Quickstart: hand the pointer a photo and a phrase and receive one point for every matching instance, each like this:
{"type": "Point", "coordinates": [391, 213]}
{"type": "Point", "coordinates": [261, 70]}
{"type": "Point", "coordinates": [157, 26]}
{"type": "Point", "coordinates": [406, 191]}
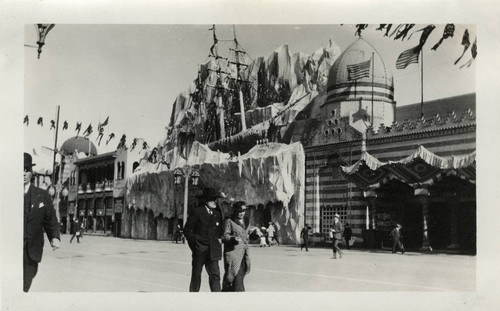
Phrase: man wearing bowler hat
{"type": "Point", "coordinates": [39, 216]}
{"type": "Point", "coordinates": [203, 231]}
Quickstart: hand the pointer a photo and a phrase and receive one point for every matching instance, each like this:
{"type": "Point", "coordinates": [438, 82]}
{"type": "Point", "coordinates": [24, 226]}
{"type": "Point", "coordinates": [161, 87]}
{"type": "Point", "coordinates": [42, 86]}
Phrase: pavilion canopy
{"type": "Point", "coordinates": [420, 168]}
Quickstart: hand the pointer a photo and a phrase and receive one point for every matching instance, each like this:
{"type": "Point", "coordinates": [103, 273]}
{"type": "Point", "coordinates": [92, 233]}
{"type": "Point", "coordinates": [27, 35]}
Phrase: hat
{"type": "Point", "coordinates": [28, 161]}
{"type": "Point", "coordinates": [336, 215]}
{"type": "Point", "coordinates": [239, 207]}
{"type": "Point", "coordinates": [209, 194]}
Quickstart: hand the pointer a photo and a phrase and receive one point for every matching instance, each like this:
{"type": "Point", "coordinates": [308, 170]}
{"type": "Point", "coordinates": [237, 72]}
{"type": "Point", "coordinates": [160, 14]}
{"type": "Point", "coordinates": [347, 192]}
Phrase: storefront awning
{"type": "Point", "coordinates": [420, 168]}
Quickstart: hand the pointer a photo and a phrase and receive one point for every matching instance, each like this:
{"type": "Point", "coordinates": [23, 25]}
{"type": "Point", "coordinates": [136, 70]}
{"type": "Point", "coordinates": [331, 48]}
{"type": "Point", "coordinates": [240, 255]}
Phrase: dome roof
{"type": "Point", "coordinates": [78, 143]}
{"type": "Point", "coordinates": [339, 87]}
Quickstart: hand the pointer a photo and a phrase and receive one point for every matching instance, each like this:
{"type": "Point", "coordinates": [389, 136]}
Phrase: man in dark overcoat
{"type": "Point", "coordinates": [203, 231]}
{"type": "Point", "coordinates": [39, 216]}
{"type": "Point", "coordinates": [397, 239]}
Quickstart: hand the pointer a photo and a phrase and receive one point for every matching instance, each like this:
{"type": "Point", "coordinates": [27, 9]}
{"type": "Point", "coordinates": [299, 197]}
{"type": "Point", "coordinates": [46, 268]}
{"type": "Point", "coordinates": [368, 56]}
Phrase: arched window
{"type": "Point", "coordinates": [326, 133]}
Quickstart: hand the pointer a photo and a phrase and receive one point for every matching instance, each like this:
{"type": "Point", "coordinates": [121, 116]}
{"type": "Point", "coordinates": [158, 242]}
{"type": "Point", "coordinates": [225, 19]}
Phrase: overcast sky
{"type": "Point", "coordinates": [133, 73]}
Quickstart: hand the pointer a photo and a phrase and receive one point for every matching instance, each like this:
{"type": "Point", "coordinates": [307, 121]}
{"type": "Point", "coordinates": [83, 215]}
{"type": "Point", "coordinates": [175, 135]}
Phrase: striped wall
{"type": "Point", "coordinates": [327, 189]}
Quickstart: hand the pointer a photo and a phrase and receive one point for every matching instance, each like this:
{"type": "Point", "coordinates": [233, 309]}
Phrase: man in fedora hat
{"type": "Point", "coordinates": [203, 231]}
{"type": "Point", "coordinates": [39, 216]}
{"type": "Point", "coordinates": [336, 230]}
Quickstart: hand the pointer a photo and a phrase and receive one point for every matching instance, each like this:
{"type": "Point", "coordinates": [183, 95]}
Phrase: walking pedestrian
{"type": "Point", "coordinates": [397, 238]}
{"type": "Point", "coordinates": [75, 230]}
{"type": "Point", "coordinates": [262, 235]}
{"type": "Point", "coordinates": [304, 235]}
{"type": "Point", "coordinates": [203, 231]}
{"type": "Point", "coordinates": [39, 216]}
{"type": "Point", "coordinates": [271, 233]}
{"type": "Point", "coordinates": [336, 233]}
{"type": "Point", "coordinates": [236, 256]}
{"type": "Point", "coordinates": [347, 235]}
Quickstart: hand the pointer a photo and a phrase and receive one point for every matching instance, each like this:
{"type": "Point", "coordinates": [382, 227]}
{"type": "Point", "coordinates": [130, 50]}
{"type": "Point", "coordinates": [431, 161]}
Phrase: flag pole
{"type": "Point", "coordinates": [55, 147]}
{"type": "Point", "coordinates": [373, 73]}
{"type": "Point", "coordinates": [422, 85]}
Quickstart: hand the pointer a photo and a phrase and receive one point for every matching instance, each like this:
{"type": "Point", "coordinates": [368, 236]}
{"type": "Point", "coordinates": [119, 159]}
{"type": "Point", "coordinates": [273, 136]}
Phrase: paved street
{"type": "Point", "coordinates": [107, 264]}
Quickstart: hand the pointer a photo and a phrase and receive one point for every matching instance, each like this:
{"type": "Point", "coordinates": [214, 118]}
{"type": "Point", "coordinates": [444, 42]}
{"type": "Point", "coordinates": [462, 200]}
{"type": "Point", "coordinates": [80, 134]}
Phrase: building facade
{"type": "Point", "coordinates": [96, 191]}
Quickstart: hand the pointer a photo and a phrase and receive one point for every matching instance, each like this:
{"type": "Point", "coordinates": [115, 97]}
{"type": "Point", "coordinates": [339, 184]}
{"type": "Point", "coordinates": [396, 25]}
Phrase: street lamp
{"type": "Point", "coordinates": [187, 172]}
{"type": "Point", "coordinates": [42, 31]}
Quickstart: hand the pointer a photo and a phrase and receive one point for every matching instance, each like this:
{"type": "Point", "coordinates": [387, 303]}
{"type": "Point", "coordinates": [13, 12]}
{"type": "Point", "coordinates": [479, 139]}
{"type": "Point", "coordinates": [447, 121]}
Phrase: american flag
{"type": "Point", "coordinates": [358, 71]}
{"type": "Point", "coordinates": [408, 57]}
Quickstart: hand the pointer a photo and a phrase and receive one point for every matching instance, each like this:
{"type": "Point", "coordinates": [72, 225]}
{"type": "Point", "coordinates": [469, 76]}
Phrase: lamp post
{"type": "Point", "coordinates": [186, 172]}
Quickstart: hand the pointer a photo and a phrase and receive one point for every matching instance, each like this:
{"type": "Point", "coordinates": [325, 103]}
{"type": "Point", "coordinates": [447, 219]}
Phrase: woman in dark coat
{"type": "Point", "coordinates": [236, 257]}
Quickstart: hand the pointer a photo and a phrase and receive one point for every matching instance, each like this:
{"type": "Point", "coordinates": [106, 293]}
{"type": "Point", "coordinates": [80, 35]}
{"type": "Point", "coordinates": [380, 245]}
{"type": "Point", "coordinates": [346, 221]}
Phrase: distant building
{"type": "Point", "coordinates": [429, 187]}
{"type": "Point", "coordinates": [96, 185]}
{"type": "Point", "coordinates": [365, 158]}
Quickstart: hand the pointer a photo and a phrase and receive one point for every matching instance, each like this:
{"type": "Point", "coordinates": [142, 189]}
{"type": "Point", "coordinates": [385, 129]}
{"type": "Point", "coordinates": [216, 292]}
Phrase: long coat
{"type": "Point", "coordinates": [203, 231]}
{"type": "Point", "coordinates": [235, 252]}
{"type": "Point", "coordinates": [39, 216]}
{"type": "Point", "coordinates": [338, 230]}
{"type": "Point", "coordinates": [396, 234]}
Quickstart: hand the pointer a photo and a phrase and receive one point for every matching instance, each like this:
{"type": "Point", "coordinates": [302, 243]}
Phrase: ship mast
{"type": "Point", "coordinates": [219, 87]}
{"type": "Point", "coordinates": [239, 81]}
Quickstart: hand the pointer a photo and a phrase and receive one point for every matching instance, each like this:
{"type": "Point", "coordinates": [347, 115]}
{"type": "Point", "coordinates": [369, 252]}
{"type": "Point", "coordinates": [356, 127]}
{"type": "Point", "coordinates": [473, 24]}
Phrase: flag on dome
{"type": "Point", "coordinates": [408, 57]}
{"type": "Point", "coordinates": [358, 71]}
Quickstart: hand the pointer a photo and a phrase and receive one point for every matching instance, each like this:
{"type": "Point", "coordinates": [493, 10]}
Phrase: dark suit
{"type": "Point", "coordinates": [396, 240]}
{"type": "Point", "coordinates": [39, 216]}
{"type": "Point", "coordinates": [202, 231]}
{"type": "Point", "coordinates": [304, 234]}
{"type": "Point", "coordinates": [337, 236]}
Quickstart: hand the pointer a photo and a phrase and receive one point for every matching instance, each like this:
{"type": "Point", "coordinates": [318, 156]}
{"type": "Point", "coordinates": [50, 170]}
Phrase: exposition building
{"type": "Point", "coordinates": [331, 146]}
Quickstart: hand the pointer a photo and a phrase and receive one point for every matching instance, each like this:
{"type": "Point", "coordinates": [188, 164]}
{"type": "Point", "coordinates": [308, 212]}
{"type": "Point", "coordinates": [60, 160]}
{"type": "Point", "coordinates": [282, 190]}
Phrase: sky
{"type": "Point", "coordinates": [133, 73]}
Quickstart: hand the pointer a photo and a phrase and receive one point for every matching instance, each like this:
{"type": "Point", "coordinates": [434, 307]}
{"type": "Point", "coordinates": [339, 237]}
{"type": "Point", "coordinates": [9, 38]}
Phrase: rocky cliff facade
{"type": "Point", "coordinates": [269, 178]}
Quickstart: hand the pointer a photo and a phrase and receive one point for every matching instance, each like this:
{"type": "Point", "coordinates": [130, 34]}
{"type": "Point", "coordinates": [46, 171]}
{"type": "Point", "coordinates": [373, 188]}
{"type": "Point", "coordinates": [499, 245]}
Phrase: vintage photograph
{"type": "Point", "coordinates": [249, 157]}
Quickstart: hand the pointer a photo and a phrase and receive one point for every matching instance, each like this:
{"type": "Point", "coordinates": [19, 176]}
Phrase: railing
{"type": "Point", "coordinates": [98, 187]}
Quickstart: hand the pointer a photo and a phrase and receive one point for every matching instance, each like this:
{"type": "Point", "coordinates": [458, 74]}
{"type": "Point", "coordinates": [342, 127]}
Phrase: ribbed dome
{"type": "Point", "coordinates": [340, 88]}
{"type": "Point", "coordinates": [78, 143]}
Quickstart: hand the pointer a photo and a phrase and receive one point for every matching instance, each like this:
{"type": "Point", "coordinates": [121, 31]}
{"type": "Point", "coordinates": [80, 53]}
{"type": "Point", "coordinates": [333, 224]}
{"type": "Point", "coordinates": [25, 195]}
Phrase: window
{"type": "Point", "coordinates": [123, 170]}
{"type": "Point", "coordinates": [336, 121]}
{"type": "Point", "coordinates": [339, 130]}
{"type": "Point", "coordinates": [326, 133]}
{"type": "Point", "coordinates": [118, 170]}
{"type": "Point", "coordinates": [333, 112]}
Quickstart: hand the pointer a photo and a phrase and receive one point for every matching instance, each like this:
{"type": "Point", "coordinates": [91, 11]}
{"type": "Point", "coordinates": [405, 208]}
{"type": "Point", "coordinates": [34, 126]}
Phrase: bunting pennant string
{"type": "Point", "coordinates": [111, 136]}
{"type": "Point", "coordinates": [134, 143]}
{"type": "Point", "coordinates": [387, 30]}
{"type": "Point", "coordinates": [78, 127]}
{"type": "Point", "coordinates": [395, 30]}
{"type": "Point", "coordinates": [360, 27]}
{"type": "Point", "coordinates": [465, 43]}
{"type": "Point", "coordinates": [88, 131]}
{"type": "Point", "coordinates": [448, 32]}
{"type": "Point", "coordinates": [100, 134]}
{"type": "Point", "coordinates": [473, 51]}
{"type": "Point", "coordinates": [122, 142]}
{"type": "Point", "coordinates": [404, 32]}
